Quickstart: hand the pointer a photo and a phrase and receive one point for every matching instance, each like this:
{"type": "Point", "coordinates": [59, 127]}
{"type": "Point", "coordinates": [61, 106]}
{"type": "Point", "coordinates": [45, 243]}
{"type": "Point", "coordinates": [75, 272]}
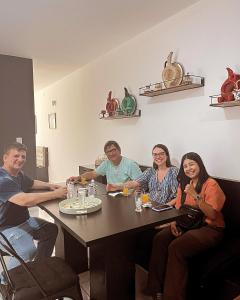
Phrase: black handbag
{"type": "Point", "coordinates": [192, 218]}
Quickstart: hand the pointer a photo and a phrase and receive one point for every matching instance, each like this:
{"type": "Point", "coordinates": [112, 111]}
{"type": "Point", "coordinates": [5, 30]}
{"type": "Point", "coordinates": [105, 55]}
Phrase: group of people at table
{"type": "Point", "coordinates": [171, 246]}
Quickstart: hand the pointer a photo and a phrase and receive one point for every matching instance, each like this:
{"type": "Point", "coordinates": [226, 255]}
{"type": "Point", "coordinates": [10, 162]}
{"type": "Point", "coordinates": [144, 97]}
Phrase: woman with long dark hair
{"type": "Point", "coordinates": [160, 180]}
{"type": "Point", "coordinates": [168, 270]}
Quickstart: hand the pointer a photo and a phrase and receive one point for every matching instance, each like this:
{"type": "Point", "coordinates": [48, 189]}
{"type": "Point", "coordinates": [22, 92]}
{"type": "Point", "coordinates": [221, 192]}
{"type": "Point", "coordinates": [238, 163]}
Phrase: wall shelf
{"type": "Point", "coordinates": [226, 104]}
{"type": "Point", "coordinates": [137, 114]}
{"type": "Point", "coordinates": [214, 102]}
{"type": "Point", "coordinates": [188, 82]}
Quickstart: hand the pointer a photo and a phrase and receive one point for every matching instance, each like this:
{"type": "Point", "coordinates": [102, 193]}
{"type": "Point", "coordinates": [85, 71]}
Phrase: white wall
{"type": "Point", "coordinates": [205, 41]}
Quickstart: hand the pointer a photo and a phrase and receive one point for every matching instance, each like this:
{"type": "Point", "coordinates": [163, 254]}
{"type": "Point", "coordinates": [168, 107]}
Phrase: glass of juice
{"type": "Point", "coordinates": [125, 190]}
{"type": "Point", "coordinates": [144, 197]}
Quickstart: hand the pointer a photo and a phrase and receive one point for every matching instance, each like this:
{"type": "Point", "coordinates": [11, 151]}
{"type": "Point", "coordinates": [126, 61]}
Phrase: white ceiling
{"type": "Point", "coordinates": [63, 35]}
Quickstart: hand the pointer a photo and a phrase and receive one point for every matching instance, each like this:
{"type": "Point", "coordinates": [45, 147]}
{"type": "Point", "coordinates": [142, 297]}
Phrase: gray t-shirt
{"type": "Point", "coordinates": [12, 214]}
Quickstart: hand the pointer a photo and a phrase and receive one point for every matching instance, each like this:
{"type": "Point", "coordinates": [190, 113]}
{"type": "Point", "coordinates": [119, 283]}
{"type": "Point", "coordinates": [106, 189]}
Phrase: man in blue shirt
{"type": "Point", "coordinates": [117, 168]}
{"type": "Point", "coordinates": [15, 222]}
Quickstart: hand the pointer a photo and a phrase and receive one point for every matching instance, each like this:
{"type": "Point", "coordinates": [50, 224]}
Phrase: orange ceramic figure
{"type": "Point", "coordinates": [228, 86]}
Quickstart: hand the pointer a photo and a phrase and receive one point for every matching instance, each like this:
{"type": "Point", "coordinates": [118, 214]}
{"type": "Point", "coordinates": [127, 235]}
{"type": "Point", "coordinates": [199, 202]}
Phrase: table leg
{"type": "Point", "coordinates": [112, 269]}
{"type": "Point", "coordinates": [75, 253]}
{"type": "Point", "coordinates": [71, 250]}
{"type": "Point", "coordinates": [59, 245]}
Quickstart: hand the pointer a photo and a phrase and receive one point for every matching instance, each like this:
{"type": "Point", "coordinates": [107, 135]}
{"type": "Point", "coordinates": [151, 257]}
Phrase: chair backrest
{"type": "Point", "coordinates": [6, 249]}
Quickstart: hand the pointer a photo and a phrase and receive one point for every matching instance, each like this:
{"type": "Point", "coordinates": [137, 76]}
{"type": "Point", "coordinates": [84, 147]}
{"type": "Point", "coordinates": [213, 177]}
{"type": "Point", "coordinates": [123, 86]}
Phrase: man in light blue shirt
{"type": "Point", "coordinates": [117, 168]}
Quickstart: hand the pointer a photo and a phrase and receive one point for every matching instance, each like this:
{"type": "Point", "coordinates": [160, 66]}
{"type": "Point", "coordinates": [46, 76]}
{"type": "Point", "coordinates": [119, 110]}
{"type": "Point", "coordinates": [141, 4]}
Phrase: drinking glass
{"type": "Point", "coordinates": [70, 190]}
{"type": "Point", "coordinates": [144, 197]}
{"type": "Point", "coordinates": [138, 201]}
{"type": "Point", "coordinates": [125, 191]}
{"type": "Point", "coordinates": [81, 196]}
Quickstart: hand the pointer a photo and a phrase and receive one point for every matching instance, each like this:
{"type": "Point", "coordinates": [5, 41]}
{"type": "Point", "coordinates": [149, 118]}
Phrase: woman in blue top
{"type": "Point", "coordinates": [160, 180]}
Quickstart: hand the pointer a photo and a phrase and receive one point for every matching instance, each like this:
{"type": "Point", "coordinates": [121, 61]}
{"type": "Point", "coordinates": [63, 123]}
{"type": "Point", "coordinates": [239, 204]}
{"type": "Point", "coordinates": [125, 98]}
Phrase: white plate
{"type": "Point", "coordinates": [73, 207]}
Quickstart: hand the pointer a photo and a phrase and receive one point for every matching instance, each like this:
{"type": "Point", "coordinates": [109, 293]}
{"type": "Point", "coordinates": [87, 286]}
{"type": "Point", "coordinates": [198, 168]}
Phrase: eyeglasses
{"type": "Point", "coordinates": [111, 151]}
{"type": "Point", "coordinates": [160, 154]}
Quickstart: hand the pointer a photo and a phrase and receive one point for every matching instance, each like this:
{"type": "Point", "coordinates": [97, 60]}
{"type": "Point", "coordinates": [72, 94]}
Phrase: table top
{"type": "Point", "coordinates": [116, 217]}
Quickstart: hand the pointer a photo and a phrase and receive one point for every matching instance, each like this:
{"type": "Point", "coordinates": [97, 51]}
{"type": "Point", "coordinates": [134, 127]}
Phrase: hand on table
{"type": "Point", "coordinates": [111, 187]}
{"type": "Point", "coordinates": [60, 192]}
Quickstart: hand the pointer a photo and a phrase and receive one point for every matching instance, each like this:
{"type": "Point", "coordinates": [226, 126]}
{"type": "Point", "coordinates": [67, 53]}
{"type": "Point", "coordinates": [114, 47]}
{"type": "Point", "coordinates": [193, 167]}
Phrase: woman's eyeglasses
{"type": "Point", "coordinates": [160, 154]}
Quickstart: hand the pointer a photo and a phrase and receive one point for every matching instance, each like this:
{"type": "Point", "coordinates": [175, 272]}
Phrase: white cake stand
{"type": "Point", "coordinates": [72, 206]}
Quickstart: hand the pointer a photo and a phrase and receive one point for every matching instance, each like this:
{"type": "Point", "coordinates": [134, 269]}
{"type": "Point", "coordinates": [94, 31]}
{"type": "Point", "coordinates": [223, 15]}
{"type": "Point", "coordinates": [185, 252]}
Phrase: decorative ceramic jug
{"type": "Point", "coordinates": [112, 104]}
{"type": "Point", "coordinates": [228, 86]}
{"type": "Point", "coordinates": [129, 103]}
{"type": "Point", "coordinates": [172, 73]}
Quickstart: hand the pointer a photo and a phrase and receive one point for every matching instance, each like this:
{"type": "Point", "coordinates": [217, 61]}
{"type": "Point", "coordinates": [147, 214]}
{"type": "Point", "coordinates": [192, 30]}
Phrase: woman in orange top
{"type": "Point", "coordinates": [168, 270]}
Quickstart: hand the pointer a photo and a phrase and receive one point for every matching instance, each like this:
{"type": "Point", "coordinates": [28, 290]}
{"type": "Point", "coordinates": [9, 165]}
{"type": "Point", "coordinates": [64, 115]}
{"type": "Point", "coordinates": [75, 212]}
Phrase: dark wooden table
{"type": "Point", "coordinates": [110, 235]}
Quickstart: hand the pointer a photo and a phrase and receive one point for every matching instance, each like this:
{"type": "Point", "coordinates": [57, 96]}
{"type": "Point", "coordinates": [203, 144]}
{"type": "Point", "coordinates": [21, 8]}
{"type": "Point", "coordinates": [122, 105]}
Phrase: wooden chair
{"type": "Point", "coordinates": [51, 278]}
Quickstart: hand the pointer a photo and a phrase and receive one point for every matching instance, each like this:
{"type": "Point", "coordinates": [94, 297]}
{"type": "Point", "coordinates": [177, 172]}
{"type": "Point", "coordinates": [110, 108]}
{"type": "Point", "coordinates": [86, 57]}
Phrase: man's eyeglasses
{"type": "Point", "coordinates": [111, 151]}
{"type": "Point", "coordinates": [161, 154]}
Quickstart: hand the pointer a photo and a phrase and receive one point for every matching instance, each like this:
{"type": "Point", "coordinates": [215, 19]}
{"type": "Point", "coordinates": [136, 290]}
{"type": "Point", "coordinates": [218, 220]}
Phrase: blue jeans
{"type": "Point", "coordinates": [22, 238]}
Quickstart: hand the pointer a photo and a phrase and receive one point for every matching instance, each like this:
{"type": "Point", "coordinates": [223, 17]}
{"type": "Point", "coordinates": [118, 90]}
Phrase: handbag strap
{"type": "Point", "coordinates": [183, 198]}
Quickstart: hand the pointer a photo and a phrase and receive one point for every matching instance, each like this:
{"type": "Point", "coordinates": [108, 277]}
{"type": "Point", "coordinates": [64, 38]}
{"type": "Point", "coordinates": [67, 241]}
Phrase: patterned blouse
{"type": "Point", "coordinates": [159, 191]}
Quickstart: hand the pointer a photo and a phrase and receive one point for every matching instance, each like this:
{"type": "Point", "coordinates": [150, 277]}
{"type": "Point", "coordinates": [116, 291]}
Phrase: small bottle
{"type": "Point", "coordinates": [91, 189]}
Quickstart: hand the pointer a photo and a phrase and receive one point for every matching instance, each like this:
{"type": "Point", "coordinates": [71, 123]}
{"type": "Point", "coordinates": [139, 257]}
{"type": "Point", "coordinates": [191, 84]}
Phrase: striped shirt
{"type": "Point", "coordinates": [160, 191]}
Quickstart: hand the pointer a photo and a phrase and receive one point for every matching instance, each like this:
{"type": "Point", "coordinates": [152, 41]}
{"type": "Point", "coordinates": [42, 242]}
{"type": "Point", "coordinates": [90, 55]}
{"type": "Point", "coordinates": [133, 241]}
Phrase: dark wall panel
{"type": "Point", "coordinates": [17, 117]}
